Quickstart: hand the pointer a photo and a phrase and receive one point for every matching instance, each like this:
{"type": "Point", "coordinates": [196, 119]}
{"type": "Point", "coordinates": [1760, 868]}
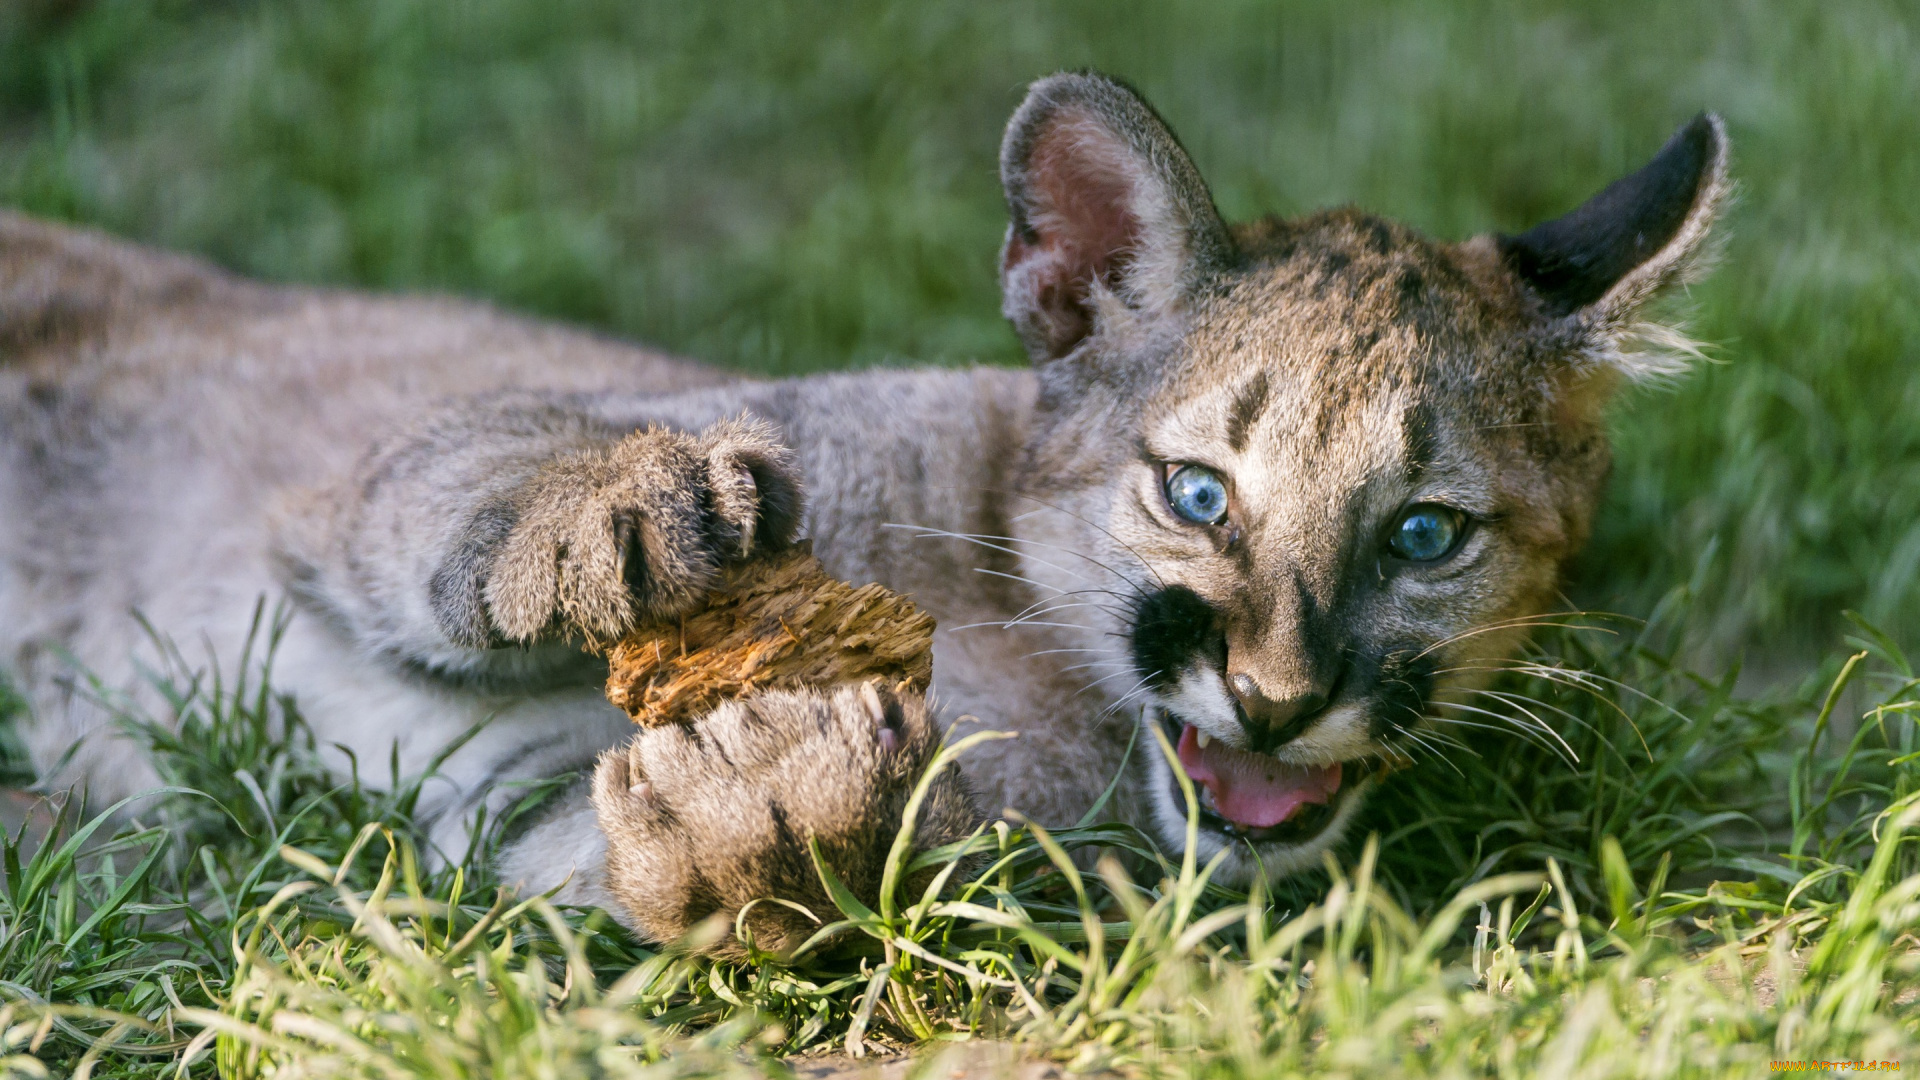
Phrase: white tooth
{"type": "Point", "coordinates": [1202, 739]}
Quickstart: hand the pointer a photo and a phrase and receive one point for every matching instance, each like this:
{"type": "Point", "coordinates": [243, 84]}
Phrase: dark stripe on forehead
{"type": "Point", "coordinates": [1247, 407]}
{"type": "Point", "coordinates": [1420, 441]}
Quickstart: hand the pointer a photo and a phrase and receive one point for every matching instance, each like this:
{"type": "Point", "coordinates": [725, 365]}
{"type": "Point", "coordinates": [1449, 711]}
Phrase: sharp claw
{"type": "Point", "coordinates": [889, 742]}
{"type": "Point", "coordinates": [744, 476]}
{"type": "Point", "coordinates": [877, 712]}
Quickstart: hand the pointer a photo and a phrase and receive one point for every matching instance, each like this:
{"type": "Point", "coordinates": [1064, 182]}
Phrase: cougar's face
{"type": "Point", "coordinates": [1328, 467]}
{"type": "Point", "coordinates": [1342, 500]}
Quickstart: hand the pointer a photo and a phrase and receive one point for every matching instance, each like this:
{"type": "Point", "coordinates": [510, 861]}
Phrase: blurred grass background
{"type": "Point", "coordinates": [790, 187]}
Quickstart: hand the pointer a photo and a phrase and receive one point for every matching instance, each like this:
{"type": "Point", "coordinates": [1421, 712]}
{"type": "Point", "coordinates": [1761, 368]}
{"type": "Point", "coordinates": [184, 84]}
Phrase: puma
{"type": "Point", "coordinates": [1276, 490]}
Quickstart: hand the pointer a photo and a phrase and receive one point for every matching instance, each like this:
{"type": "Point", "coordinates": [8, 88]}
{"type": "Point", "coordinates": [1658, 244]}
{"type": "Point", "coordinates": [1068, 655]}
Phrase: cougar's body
{"type": "Point", "coordinates": [165, 426]}
{"type": "Point", "coordinates": [1193, 515]}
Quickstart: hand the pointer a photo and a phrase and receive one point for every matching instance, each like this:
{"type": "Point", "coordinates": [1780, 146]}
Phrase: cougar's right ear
{"type": "Point", "coordinates": [1104, 206]}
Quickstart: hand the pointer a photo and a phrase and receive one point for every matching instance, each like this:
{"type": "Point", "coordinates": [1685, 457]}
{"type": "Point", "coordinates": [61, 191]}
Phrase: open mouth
{"type": "Point", "coordinates": [1256, 797]}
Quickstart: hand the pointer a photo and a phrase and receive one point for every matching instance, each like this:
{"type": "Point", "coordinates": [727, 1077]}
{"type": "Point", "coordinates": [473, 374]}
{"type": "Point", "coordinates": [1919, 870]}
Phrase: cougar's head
{"type": "Point", "coordinates": [1315, 474]}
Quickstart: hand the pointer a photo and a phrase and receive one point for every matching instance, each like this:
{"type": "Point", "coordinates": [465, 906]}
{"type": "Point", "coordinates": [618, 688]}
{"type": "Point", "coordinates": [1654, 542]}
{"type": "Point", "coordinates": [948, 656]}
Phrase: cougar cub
{"type": "Point", "coordinates": [1273, 489]}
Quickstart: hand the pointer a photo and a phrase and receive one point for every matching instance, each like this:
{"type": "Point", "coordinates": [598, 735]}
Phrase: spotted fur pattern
{"type": "Point", "coordinates": [458, 500]}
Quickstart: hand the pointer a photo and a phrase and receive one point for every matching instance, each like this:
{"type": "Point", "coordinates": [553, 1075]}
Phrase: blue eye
{"type": "Point", "coordinates": [1426, 533]}
{"type": "Point", "coordinates": [1197, 494]}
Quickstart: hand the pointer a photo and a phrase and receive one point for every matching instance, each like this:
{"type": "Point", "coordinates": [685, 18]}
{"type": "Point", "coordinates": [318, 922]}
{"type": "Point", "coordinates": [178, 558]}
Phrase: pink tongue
{"type": "Point", "coordinates": [1254, 790]}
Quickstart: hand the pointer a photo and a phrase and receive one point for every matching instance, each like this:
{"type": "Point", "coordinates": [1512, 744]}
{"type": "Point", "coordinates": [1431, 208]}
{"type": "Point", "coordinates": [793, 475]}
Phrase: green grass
{"type": "Point", "coordinates": [1638, 900]}
{"type": "Point", "coordinates": [1707, 880]}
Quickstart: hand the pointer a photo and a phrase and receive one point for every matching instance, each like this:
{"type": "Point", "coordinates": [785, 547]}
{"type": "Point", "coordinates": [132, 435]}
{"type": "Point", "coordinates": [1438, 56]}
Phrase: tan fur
{"type": "Point", "coordinates": [458, 500]}
{"type": "Point", "coordinates": [705, 818]}
{"type": "Point", "coordinates": [682, 498]}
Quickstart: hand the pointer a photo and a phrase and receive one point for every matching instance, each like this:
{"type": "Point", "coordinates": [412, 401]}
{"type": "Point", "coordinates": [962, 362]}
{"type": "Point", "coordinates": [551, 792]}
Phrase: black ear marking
{"type": "Point", "coordinates": [1572, 261]}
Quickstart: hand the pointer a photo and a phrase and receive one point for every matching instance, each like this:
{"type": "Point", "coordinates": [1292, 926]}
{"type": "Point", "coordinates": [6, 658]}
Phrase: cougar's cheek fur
{"type": "Point", "coordinates": [1281, 495]}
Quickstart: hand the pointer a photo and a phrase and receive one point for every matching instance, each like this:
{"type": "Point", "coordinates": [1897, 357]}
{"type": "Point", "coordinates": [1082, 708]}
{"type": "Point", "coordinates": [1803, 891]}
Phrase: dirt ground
{"type": "Point", "coordinates": [957, 1061]}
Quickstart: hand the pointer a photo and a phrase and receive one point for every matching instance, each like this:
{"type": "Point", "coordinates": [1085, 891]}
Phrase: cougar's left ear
{"type": "Point", "coordinates": [1593, 269]}
{"type": "Point", "coordinates": [1105, 206]}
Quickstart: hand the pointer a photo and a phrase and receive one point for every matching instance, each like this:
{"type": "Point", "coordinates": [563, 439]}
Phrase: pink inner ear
{"type": "Point", "coordinates": [1082, 222]}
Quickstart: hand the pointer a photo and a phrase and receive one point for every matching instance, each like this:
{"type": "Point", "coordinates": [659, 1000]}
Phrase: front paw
{"type": "Point", "coordinates": [702, 819]}
{"type": "Point", "coordinates": [606, 538]}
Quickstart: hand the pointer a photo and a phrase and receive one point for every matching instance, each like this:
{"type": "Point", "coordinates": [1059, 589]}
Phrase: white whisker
{"type": "Point", "coordinates": [1538, 724]}
{"type": "Point", "coordinates": [1096, 663]}
{"type": "Point", "coordinates": [1027, 614]}
{"type": "Point", "coordinates": [1514, 623]}
{"type": "Point", "coordinates": [1051, 652]}
{"type": "Point", "coordinates": [1105, 532]}
{"type": "Point", "coordinates": [924, 532]}
{"type": "Point", "coordinates": [1104, 678]}
{"type": "Point", "coordinates": [1431, 750]}
{"type": "Point", "coordinates": [1141, 687]}
{"type": "Point", "coordinates": [1585, 681]}
{"type": "Point", "coordinates": [1018, 578]}
{"type": "Point", "coordinates": [1026, 622]}
{"type": "Point", "coordinates": [1509, 723]}
{"type": "Point", "coordinates": [997, 543]}
{"type": "Point", "coordinates": [1519, 701]}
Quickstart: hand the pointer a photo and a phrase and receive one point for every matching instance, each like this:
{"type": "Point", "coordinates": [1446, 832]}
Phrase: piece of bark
{"type": "Point", "coordinates": [780, 622]}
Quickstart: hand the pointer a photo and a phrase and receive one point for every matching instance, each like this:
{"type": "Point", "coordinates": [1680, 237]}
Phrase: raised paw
{"type": "Point", "coordinates": [704, 818]}
{"type": "Point", "coordinates": [609, 537]}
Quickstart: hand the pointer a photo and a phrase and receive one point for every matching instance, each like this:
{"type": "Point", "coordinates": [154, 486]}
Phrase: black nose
{"type": "Point", "coordinates": [1272, 723]}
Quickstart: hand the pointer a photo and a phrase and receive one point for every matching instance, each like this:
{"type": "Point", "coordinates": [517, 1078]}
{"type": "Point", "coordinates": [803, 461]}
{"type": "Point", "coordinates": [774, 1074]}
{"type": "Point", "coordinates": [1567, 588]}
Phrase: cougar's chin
{"type": "Point", "coordinates": [1272, 815]}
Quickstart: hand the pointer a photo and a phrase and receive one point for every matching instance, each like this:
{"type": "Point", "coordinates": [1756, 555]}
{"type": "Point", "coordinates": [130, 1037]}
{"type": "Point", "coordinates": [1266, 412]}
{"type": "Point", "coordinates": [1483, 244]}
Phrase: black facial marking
{"type": "Point", "coordinates": [1247, 407]}
{"type": "Point", "coordinates": [1404, 681]}
{"type": "Point", "coordinates": [1573, 260]}
{"type": "Point", "coordinates": [1172, 630]}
